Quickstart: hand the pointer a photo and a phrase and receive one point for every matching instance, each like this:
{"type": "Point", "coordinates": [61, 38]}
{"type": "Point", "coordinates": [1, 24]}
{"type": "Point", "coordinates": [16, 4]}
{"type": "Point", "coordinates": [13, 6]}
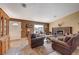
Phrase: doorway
{"type": "Point", "coordinates": [15, 30]}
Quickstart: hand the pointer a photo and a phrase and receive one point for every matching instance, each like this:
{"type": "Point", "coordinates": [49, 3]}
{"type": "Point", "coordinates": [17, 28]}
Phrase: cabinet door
{"type": "Point", "coordinates": [3, 46]}
{"type": "Point", "coordinates": [0, 47]}
{"type": "Point", "coordinates": [5, 26]}
{"type": "Point", "coordinates": [0, 27]}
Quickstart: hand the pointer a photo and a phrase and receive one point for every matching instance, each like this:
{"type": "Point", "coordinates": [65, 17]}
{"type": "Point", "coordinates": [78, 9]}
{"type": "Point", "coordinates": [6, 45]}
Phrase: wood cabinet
{"type": "Point", "coordinates": [4, 32]}
{"type": "Point", "coordinates": [4, 44]}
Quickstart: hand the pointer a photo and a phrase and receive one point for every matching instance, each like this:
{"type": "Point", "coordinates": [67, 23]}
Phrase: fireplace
{"type": "Point", "coordinates": [59, 32]}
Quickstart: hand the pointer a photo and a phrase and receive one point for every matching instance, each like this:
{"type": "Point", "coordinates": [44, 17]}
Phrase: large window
{"type": "Point", "coordinates": [38, 28]}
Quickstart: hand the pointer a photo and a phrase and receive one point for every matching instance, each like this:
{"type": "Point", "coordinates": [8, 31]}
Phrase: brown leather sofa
{"type": "Point", "coordinates": [66, 47]}
{"type": "Point", "coordinates": [36, 41]}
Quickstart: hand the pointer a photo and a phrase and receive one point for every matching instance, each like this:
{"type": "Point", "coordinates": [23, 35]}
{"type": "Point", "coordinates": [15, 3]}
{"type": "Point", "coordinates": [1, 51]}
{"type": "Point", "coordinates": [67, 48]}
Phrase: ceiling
{"type": "Point", "coordinates": [42, 12]}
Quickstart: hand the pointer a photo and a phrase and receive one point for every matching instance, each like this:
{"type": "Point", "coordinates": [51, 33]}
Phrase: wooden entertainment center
{"type": "Point", "coordinates": [4, 32]}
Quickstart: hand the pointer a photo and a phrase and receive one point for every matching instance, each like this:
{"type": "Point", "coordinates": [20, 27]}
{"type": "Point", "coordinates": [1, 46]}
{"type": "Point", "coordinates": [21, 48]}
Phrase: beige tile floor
{"type": "Point", "coordinates": [18, 42]}
{"type": "Point", "coordinates": [24, 49]}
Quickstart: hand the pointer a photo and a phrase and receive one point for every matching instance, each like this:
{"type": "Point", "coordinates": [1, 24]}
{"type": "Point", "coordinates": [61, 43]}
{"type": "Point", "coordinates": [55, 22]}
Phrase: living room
{"type": "Point", "coordinates": [39, 29]}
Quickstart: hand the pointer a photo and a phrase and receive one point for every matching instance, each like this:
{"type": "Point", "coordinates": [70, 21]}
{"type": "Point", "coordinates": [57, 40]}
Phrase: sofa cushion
{"type": "Point", "coordinates": [33, 35]}
{"type": "Point", "coordinates": [66, 39]}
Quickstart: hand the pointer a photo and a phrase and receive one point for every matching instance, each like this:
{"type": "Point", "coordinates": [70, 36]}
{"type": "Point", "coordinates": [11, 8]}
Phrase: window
{"type": "Point", "coordinates": [38, 28]}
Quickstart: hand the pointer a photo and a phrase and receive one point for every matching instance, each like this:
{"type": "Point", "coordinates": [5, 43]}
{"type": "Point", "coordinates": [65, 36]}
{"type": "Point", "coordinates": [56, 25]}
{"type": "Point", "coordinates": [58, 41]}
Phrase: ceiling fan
{"type": "Point", "coordinates": [24, 5]}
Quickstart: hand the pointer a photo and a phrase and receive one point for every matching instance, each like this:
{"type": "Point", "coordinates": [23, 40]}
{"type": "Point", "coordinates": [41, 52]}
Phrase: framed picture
{"type": "Point", "coordinates": [29, 26]}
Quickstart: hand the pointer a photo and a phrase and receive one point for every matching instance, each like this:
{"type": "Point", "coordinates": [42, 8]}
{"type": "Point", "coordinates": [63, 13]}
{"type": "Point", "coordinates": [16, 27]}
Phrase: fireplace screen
{"type": "Point", "coordinates": [60, 32]}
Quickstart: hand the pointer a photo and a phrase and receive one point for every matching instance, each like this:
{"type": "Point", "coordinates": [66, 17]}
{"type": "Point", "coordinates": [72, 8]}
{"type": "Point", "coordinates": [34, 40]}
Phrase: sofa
{"type": "Point", "coordinates": [66, 47]}
{"type": "Point", "coordinates": [36, 40]}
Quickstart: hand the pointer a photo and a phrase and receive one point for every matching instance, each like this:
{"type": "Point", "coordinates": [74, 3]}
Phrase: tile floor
{"type": "Point", "coordinates": [20, 47]}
